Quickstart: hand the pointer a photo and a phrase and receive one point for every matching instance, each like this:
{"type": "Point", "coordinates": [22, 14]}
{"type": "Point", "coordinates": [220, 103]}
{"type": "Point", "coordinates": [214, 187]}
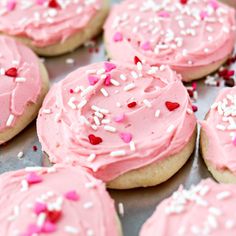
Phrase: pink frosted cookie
{"type": "Point", "coordinates": [131, 125]}
{"type": "Point", "coordinates": [23, 85]}
{"type": "Point", "coordinates": [218, 137]}
{"type": "Point", "coordinates": [194, 37]}
{"type": "Point", "coordinates": [205, 209]}
{"type": "Point", "coordinates": [57, 201]}
{"type": "Point", "coordinates": [52, 27]}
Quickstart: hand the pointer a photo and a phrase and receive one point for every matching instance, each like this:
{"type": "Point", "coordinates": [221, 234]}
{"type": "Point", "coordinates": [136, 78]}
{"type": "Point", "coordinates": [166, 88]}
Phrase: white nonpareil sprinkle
{"type": "Point", "coordinates": [118, 153]}
{"type": "Point", "coordinates": [88, 205]}
{"type": "Point", "coordinates": [129, 87]}
{"type": "Point", "coordinates": [10, 120]}
{"type": "Point", "coordinates": [71, 230]}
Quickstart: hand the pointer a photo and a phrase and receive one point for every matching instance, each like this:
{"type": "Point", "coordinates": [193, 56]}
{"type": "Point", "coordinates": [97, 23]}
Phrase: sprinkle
{"type": "Point", "coordinates": [121, 208]}
{"type": "Point", "coordinates": [20, 155]}
{"type": "Point", "coordinates": [157, 113]}
{"type": "Point", "coordinates": [194, 108]}
{"type": "Point", "coordinates": [190, 111]}
{"type": "Point", "coordinates": [147, 103]}
{"type": "Point", "coordinates": [134, 74]}
{"type": "Point", "coordinates": [91, 157]}
{"type": "Point", "coordinates": [88, 205]}
{"type": "Point", "coordinates": [96, 120]}
{"type": "Point", "coordinates": [94, 140]}
{"type": "Point", "coordinates": [35, 148]}
{"type": "Point", "coordinates": [110, 128]}
{"type": "Point", "coordinates": [107, 80]}
{"type": "Point", "coordinates": [170, 128]}
{"type": "Point", "coordinates": [115, 82]}
{"type": "Point", "coordinates": [223, 195]}
{"type": "Point", "coordinates": [126, 137]}
{"type": "Point", "coordinates": [92, 79]}
{"type": "Point", "coordinates": [119, 118]}
{"type": "Point", "coordinates": [129, 87]}
{"type": "Point", "coordinates": [132, 104]}
{"type": "Point", "coordinates": [11, 4]}
{"type": "Point", "coordinates": [41, 219]}
{"type": "Point", "coordinates": [132, 146]}
{"type": "Point", "coordinates": [72, 195]}
{"type": "Point", "coordinates": [33, 178]}
{"type": "Point", "coordinates": [40, 207]}
{"type": "Point", "coordinates": [123, 77]}
{"type": "Point", "coordinates": [10, 120]}
{"type": "Point", "coordinates": [47, 111]}
{"type": "Point", "coordinates": [70, 61]}
{"type": "Point", "coordinates": [106, 121]}
{"type": "Point", "coordinates": [20, 80]}
{"type": "Point", "coordinates": [49, 227]}
{"type": "Point", "coordinates": [146, 46]}
{"type": "Point", "coordinates": [221, 127]}
{"type": "Point", "coordinates": [12, 72]}
{"type": "Point", "coordinates": [171, 106]}
{"type": "Point", "coordinates": [137, 60]}
{"type": "Point", "coordinates": [82, 104]}
{"type": "Point", "coordinates": [109, 66]}
{"type": "Point", "coordinates": [118, 37]}
{"type": "Point", "coordinates": [104, 92]}
{"type": "Point", "coordinates": [71, 230]}
{"type": "Point", "coordinates": [24, 186]}
{"type": "Point", "coordinates": [118, 153]}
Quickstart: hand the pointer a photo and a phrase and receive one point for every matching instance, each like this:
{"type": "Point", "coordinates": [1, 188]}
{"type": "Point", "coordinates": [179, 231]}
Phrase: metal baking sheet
{"type": "Point", "coordinates": [139, 204]}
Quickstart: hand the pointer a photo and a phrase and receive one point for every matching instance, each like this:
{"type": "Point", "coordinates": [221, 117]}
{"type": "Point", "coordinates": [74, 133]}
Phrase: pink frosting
{"type": "Point", "coordinates": [118, 124]}
{"type": "Point", "coordinates": [46, 22]}
{"type": "Point", "coordinates": [184, 36]}
{"type": "Point", "coordinates": [20, 81]}
{"type": "Point", "coordinates": [55, 205]}
{"type": "Point", "coordinates": [220, 128]}
{"type": "Point", "coordinates": [205, 209]}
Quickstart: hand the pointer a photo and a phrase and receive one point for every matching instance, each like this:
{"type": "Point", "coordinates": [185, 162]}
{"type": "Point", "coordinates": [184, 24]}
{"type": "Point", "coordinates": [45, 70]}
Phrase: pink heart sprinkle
{"type": "Point", "coordinates": [72, 195]}
{"type": "Point", "coordinates": [146, 46]}
{"type": "Point", "coordinates": [11, 4]}
{"type": "Point", "coordinates": [33, 178]}
{"type": "Point", "coordinates": [119, 118]}
{"type": "Point", "coordinates": [164, 14]}
{"type": "Point", "coordinates": [234, 141]}
{"type": "Point", "coordinates": [109, 66]}
{"type": "Point", "coordinates": [48, 227]}
{"type": "Point", "coordinates": [203, 14]}
{"type": "Point", "coordinates": [214, 4]}
{"type": "Point", "coordinates": [126, 137]}
{"type": "Point", "coordinates": [92, 80]}
{"type": "Point", "coordinates": [118, 37]}
{"type": "Point", "coordinates": [107, 80]}
{"type": "Point", "coordinates": [39, 208]}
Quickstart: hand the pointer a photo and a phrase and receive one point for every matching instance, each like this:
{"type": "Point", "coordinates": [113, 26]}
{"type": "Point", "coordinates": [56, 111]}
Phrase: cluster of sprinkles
{"type": "Point", "coordinates": [48, 208]}
{"type": "Point", "coordinates": [226, 109]}
{"type": "Point", "coordinates": [103, 82]}
{"type": "Point", "coordinates": [181, 201]}
{"type": "Point", "coordinates": [160, 40]}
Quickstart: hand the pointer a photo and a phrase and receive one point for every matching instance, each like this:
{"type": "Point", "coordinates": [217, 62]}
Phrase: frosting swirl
{"type": "Point", "coordinates": [46, 22]}
{"type": "Point", "coordinates": [112, 118]}
{"type": "Point", "coordinates": [182, 36]}
{"type": "Point", "coordinates": [45, 201]}
{"type": "Point", "coordinates": [20, 81]}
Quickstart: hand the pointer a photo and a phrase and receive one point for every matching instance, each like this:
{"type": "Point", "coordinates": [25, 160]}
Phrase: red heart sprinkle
{"type": "Point", "coordinates": [12, 72]}
{"type": "Point", "coordinates": [172, 105]}
{"type": "Point", "coordinates": [54, 4]}
{"type": "Point", "coordinates": [94, 140]}
{"type": "Point", "coordinates": [54, 216]}
{"type": "Point", "coordinates": [183, 1]}
{"type": "Point", "coordinates": [136, 60]}
{"type": "Point", "coordinates": [132, 104]}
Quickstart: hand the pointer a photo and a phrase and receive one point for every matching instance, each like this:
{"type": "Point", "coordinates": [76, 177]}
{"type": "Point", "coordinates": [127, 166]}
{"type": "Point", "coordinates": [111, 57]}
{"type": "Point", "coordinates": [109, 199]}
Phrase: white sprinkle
{"type": "Point", "coordinates": [10, 120]}
{"type": "Point", "coordinates": [20, 79]}
{"type": "Point", "coordinates": [24, 185]}
{"type": "Point", "coordinates": [47, 111]}
{"type": "Point", "coordinates": [115, 82]}
{"type": "Point", "coordinates": [157, 113]}
{"type": "Point", "coordinates": [101, 71]}
{"type": "Point", "coordinates": [129, 87]}
{"type": "Point", "coordinates": [41, 219]}
{"type": "Point", "coordinates": [20, 155]}
{"type": "Point", "coordinates": [223, 195]}
{"type": "Point", "coordinates": [118, 153]}
{"type": "Point", "coordinates": [51, 170]}
{"type": "Point", "coordinates": [221, 127]}
{"type": "Point", "coordinates": [215, 211]}
{"type": "Point", "coordinates": [121, 208]}
{"type": "Point", "coordinates": [71, 230]}
{"type": "Point", "coordinates": [96, 120]}
{"type": "Point", "coordinates": [147, 103]}
{"type": "Point", "coordinates": [91, 157]}
{"type": "Point", "coordinates": [70, 61]}
{"type": "Point", "coordinates": [104, 92]}
{"type": "Point", "coordinates": [132, 146]}
{"type": "Point", "coordinates": [88, 205]}
{"type": "Point", "coordinates": [98, 114]}
{"type": "Point", "coordinates": [90, 185]}
{"type": "Point", "coordinates": [118, 104]}
{"type": "Point", "coordinates": [123, 77]}
{"type": "Point", "coordinates": [134, 74]}
{"type": "Point", "coordinates": [33, 168]}
{"type": "Point", "coordinates": [106, 121]}
{"type": "Point", "coordinates": [110, 128]}
{"type": "Point", "coordinates": [71, 103]}
{"type": "Point", "coordinates": [212, 221]}
{"type": "Point", "coordinates": [189, 111]}
{"type": "Point", "coordinates": [139, 66]}
{"type": "Point", "coordinates": [170, 128]}
{"type": "Point", "coordinates": [87, 90]}
{"type": "Point", "coordinates": [82, 104]}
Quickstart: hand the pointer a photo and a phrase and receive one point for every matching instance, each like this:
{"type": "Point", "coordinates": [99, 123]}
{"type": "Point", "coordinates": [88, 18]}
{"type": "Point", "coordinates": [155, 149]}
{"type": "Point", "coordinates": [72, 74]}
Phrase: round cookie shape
{"type": "Point", "coordinates": [193, 37]}
{"type": "Point", "coordinates": [23, 85]}
{"type": "Point", "coordinates": [218, 137]}
{"type": "Point", "coordinates": [204, 209]}
{"type": "Point", "coordinates": [60, 200]}
{"type": "Point", "coordinates": [113, 118]}
{"type": "Point", "coordinates": [52, 27]}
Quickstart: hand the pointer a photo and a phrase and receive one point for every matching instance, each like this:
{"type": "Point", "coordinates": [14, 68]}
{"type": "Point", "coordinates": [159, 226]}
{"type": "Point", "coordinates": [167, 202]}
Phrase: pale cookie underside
{"type": "Point", "coordinates": [31, 111]}
{"type": "Point", "coordinates": [156, 173]}
{"type": "Point", "coordinates": [91, 30]}
{"type": "Point", "coordinates": [222, 176]}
